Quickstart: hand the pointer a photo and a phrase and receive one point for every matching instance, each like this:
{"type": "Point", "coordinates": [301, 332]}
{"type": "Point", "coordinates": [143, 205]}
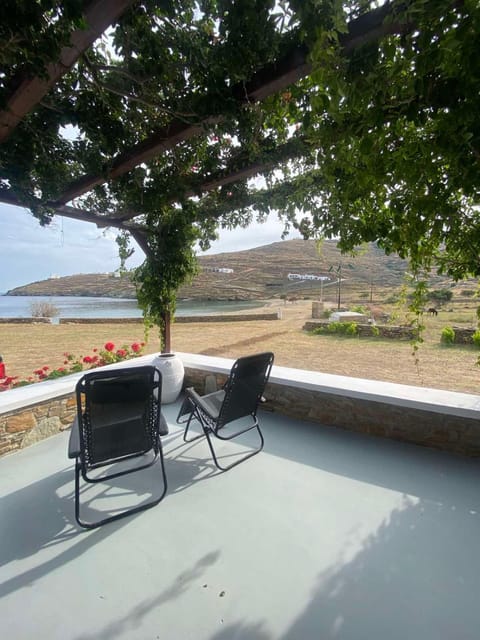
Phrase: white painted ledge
{"type": "Point", "coordinates": [49, 389]}
{"type": "Point", "coordinates": [453, 403]}
{"type": "Point", "coordinates": [421, 398]}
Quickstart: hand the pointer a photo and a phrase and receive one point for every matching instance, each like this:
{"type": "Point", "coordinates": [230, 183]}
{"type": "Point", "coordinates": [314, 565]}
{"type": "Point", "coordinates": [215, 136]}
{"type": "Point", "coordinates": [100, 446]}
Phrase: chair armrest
{"type": "Point", "coordinates": [185, 410]}
{"type": "Point", "coordinates": [163, 426]}
{"type": "Point", "coordinates": [210, 404]}
{"type": "Point", "coordinates": [74, 440]}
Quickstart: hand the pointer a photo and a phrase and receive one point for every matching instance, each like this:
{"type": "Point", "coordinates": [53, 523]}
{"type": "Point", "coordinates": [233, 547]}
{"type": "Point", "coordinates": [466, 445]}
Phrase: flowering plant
{"type": "Point", "coordinates": [73, 364]}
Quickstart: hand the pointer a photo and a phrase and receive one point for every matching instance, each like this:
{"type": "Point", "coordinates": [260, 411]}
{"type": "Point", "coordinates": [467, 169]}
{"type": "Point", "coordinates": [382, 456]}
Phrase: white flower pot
{"type": "Point", "coordinates": [171, 368]}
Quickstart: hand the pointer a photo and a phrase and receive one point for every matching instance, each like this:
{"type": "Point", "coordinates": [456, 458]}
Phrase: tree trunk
{"type": "Point", "coordinates": [166, 332]}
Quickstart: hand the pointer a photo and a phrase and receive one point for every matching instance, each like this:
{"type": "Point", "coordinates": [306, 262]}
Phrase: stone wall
{"type": "Point", "coordinates": [178, 319]}
{"type": "Point", "coordinates": [463, 336]}
{"type": "Point", "coordinates": [229, 317]}
{"type": "Point", "coordinates": [417, 426]}
{"type": "Point", "coordinates": [369, 331]}
{"type": "Point", "coordinates": [24, 320]}
{"type": "Point", "coordinates": [425, 425]}
{"type": "Point", "coordinates": [100, 321]}
{"type": "Point", "coordinates": [23, 427]}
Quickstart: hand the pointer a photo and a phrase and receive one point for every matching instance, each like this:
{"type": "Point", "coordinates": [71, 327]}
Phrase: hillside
{"type": "Point", "coordinates": [259, 273]}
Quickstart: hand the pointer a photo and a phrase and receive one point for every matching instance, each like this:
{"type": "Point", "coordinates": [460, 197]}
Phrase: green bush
{"type": "Point", "coordinates": [441, 295]}
{"type": "Point", "coordinates": [340, 328]}
{"type": "Point", "coordinates": [448, 335]}
{"type": "Point", "coordinates": [375, 330]}
{"type": "Point", "coordinates": [476, 338]}
{"type": "Point", "coordinates": [359, 309]}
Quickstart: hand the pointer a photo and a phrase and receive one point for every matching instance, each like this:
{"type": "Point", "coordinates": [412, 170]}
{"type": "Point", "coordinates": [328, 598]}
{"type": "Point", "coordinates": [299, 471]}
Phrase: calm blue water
{"type": "Point", "coordinates": [84, 307]}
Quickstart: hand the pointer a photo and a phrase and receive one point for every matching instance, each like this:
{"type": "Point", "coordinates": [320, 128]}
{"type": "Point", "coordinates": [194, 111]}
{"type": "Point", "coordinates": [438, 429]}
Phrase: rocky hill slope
{"type": "Point", "coordinates": [259, 273]}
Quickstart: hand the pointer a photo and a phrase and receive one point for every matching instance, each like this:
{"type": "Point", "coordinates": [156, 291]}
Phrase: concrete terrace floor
{"type": "Point", "coordinates": [325, 534]}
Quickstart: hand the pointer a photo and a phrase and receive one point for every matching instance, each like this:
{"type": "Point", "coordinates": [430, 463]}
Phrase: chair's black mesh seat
{"type": "Point", "coordinates": [238, 399]}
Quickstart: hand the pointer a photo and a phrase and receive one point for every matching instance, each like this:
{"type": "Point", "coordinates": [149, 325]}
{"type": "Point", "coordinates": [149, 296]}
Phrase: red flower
{"type": "Point", "coordinates": [121, 353]}
{"type": "Point", "coordinates": [61, 369]}
{"type": "Point", "coordinates": [109, 346]}
{"type": "Point", "coordinates": [45, 368]}
{"type": "Point", "coordinates": [38, 372]}
{"type": "Point", "coordinates": [95, 350]}
{"type": "Point", "coordinates": [136, 347]}
{"type": "Point", "coordinates": [88, 359]}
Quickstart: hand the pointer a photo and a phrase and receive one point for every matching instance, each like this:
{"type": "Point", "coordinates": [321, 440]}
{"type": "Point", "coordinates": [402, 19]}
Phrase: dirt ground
{"type": "Point", "coordinates": [27, 347]}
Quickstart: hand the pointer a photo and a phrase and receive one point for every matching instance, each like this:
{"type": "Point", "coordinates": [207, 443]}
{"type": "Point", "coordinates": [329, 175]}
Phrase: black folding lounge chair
{"type": "Point", "coordinates": [118, 418]}
{"type": "Point", "coordinates": [238, 400]}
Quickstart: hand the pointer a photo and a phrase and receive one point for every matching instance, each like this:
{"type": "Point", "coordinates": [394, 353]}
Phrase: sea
{"type": "Point", "coordinates": [90, 307]}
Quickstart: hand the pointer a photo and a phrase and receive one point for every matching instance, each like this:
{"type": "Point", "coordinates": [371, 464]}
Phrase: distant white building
{"type": "Point", "coordinates": [306, 276]}
{"type": "Point", "coordinates": [218, 269]}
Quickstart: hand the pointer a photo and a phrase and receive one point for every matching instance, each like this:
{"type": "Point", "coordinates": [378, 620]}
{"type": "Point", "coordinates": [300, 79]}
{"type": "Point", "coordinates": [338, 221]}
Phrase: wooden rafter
{"type": "Point", "coordinates": [99, 14]}
{"type": "Point", "coordinates": [266, 82]}
{"type": "Point", "coordinates": [120, 221]}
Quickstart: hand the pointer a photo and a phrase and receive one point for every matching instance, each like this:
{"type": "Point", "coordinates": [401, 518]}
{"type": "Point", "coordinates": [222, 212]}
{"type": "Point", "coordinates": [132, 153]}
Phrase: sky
{"type": "Point", "coordinates": [29, 252]}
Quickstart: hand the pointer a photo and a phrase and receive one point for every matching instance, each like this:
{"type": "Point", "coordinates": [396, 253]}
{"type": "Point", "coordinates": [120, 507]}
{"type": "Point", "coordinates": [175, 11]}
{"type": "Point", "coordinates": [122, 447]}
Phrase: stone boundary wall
{"type": "Point", "coordinates": [178, 319]}
{"type": "Point", "coordinates": [100, 321]}
{"type": "Point", "coordinates": [228, 318]}
{"type": "Point", "coordinates": [416, 426]}
{"type": "Point", "coordinates": [365, 330]}
{"type": "Point", "coordinates": [23, 427]}
{"type": "Point", "coordinates": [24, 320]}
{"type": "Point", "coordinates": [463, 336]}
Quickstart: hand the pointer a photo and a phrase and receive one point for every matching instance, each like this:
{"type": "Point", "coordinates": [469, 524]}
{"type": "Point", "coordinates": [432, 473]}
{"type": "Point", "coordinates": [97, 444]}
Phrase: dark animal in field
{"type": "Point", "coordinates": [432, 311]}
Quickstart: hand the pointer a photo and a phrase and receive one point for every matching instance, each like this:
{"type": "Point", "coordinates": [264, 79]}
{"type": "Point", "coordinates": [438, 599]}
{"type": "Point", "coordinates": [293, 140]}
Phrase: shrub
{"type": "Point", "coordinates": [359, 309]}
{"type": "Point", "coordinates": [476, 338]}
{"type": "Point", "coordinates": [43, 310]}
{"type": "Point", "coordinates": [448, 335]}
{"type": "Point", "coordinates": [441, 295]}
{"type": "Point", "coordinates": [340, 328]}
{"type": "Point", "coordinates": [375, 330]}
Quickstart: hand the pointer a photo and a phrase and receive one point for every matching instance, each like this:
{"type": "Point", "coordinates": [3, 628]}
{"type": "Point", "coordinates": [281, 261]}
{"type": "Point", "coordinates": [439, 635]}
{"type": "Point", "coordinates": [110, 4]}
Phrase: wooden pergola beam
{"type": "Point", "coordinates": [76, 213]}
{"type": "Point", "coordinates": [266, 82]}
{"type": "Point", "coordinates": [99, 14]}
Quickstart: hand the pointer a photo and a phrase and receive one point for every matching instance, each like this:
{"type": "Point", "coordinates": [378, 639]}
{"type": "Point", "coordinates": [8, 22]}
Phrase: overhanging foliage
{"type": "Point", "coordinates": [359, 122]}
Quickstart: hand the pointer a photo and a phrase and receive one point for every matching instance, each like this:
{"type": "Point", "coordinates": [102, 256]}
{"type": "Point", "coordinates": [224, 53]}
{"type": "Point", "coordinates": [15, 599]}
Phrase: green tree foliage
{"type": "Point", "coordinates": [398, 140]}
{"type": "Point", "coordinates": [124, 250]}
{"type": "Point", "coordinates": [380, 142]}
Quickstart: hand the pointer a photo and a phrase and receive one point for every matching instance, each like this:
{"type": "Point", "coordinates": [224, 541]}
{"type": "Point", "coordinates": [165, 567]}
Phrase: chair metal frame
{"type": "Point", "coordinates": [80, 445]}
{"type": "Point", "coordinates": [215, 410]}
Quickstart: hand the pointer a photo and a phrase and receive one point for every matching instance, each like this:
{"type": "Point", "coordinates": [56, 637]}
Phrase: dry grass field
{"type": "Point", "coordinates": [27, 347]}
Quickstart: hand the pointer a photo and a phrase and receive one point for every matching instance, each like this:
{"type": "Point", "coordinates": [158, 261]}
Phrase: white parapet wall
{"type": "Point", "coordinates": [442, 419]}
